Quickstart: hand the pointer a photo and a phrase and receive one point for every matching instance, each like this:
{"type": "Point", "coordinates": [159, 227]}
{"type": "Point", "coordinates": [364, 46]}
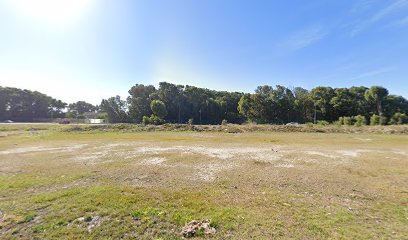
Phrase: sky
{"type": "Point", "coordinates": [94, 49]}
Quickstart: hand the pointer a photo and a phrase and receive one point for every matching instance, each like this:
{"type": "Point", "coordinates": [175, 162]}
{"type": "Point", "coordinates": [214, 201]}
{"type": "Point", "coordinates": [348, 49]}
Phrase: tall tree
{"type": "Point", "coordinates": [377, 95]}
{"type": "Point", "coordinates": [395, 104]}
{"type": "Point", "coordinates": [116, 109]}
{"type": "Point", "coordinates": [322, 97]}
{"type": "Point", "coordinates": [171, 96]}
{"type": "Point", "coordinates": [139, 101]}
{"type": "Point", "coordinates": [158, 108]}
{"type": "Point", "coordinates": [342, 103]}
{"type": "Point", "coordinates": [25, 105]}
{"type": "Point", "coordinates": [81, 107]}
{"type": "Point", "coordinates": [360, 104]}
{"type": "Point", "coordinates": [303, 105]}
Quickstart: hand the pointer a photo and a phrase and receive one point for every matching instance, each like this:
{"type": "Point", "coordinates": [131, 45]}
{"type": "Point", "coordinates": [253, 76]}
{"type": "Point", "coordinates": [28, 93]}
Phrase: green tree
{"type": "Point", "coordinates": [25, 105]}
{"type": "Point", "coordinates": [359, 104]}
{"type": "Point", "coordinates": [377, 95]}
{"type": "Point", "coordinates": [399, 118]}
{"type": "Point", "coordinates": [139, 101]}
{"type": "Point", "coordinates": [171, 96]}
{"type": "Point", "coordinates": [395, 104]}
{"type": "Point", "coordinates": [116, 109]}
{"type": "Point", "coordinates": [244, 106]}
{"type": "Point", "coordinates": [81, 107]}
{"type": "Point", "coordinates": [342, 102]}
{"type": "Point", "coordinates": [303, 105]}
{"type": "Point", "coordinates": [158, 108]}
{"type": "Point", "coordinates": [322, 97]}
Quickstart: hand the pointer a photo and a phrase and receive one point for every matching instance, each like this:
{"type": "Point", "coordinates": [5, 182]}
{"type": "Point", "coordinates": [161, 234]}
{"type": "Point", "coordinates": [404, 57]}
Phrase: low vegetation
{"type": "Point", "coordinates": [251, 181]}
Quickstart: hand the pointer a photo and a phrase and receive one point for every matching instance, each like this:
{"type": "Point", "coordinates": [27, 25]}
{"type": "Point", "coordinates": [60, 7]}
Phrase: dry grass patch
{"type": "Point", "coordinates": [147, 185]}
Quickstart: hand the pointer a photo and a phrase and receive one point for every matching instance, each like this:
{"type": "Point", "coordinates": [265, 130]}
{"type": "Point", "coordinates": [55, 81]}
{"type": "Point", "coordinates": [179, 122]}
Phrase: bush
{"type": "Point", "coordinates": [309, 124]}
{"type": "Point", "coordinates": [340, 121]}
{"type": "Point", "coordinates": [403, 118]}
{"type": "Point", "coordinates": [399, 118]}
{"type": "Point", "coordinates": [70, 115]}
{"type": "Point", "coordinates": [383, 120]}
{"type": "Point", "coordinates": [156, 120]}
{"type": "Point", "coordinates": [360, 121]}
{"type": "Point", "coordinates": [224, 122]}
{"type": "Point", "coordinates": [322, 123]}
{"type": "Point", "coordinates": [102, 116]}
{"type": "Point", "coordinates": [152, 120]}
{"type": "Point", "coordinates": [146, 120]}
{"type": "Point", "coordinates": [81, 116]}
{"type": "Point", "coordinates": [190, 121]}
{"type": "Point", "coordinates": [374, 120]}
{"type": "Point", "coordinates": [348, 121]}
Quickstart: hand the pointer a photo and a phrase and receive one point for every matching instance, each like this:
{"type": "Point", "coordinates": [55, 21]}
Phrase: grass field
{"type": "Point", "coordinates": [59, 184]}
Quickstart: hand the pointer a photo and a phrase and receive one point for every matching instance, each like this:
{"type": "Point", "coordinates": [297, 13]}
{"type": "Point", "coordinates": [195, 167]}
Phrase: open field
{"type": "Point", "coordinates": [63, 182]}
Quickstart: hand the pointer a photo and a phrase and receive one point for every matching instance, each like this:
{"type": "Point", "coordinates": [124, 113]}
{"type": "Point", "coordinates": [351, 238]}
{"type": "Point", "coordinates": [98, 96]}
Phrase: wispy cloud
{"type": "Point", "coordinates": [362, 5]}
{"type": "Point", "coordinates": [373, 73]}
{"type": "Point", "coordinates": [397, 5]}
{"type": "Point", "coordinates": [306, 37]}
{"type": "Point", "coordinates": [380, 15]}
{"type": "Point", "coordinates": [401, 23]}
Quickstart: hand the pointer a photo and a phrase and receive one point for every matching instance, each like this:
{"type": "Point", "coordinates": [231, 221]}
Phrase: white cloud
{"type": "Point", "coordinates": [362, 5]}
{"type": "Point", "coordinates": [401, 23]}
{"type": "Point", "coordinates": [373, 73]}
{"type": "Point", "coordinates": [380, 15]}
{"type": "Point", "coordinates": [306, 37]}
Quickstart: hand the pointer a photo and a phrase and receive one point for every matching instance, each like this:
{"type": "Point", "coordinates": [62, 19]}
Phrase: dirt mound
{"type": "Point", "coordinates": [195, 227]}
{"type": "Point", "coordinates": [89, 222]}
{"type": "Point", "coordinates": [235, 128]}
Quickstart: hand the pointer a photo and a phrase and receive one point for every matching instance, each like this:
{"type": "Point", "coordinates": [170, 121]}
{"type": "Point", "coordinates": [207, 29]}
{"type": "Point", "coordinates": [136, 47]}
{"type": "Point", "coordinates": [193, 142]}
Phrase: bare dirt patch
{"type": "Point", "coordinates": [154, 161]}
{"type": "Point", "coordinates": [69, 148]}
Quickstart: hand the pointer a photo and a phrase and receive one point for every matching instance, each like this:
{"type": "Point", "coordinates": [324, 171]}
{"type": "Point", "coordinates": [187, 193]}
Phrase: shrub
{"type": "Point", "coordinates": [399, 118]}
{"type": "Point", "coordinates": [224, 122]}
{"type": "Point", "coordinates": [309, 124]}
{"type": "Point", "coordinates": [146, 120]}
{"type": "Point", "coordinates": [348, 121]}
{"type": "Point", "coordinates": [70, 115]}
{"type": "Point", "coordinates": [153, 120]}
{"type": "Point", "coordinates": [383, 120]}
{"type": "Point", "coordinates": [340, 121]}
{"type": "Point", "coordinates": [322, 123]}
{"type": "Point", "coordinates": [374, 120]}
{"type": "Point", "coordinates": [156, 120]}
{"type": "Point", "coordinates": [190, 121]}
{"type": "Point", "coordinates": [360, 121]}
{"type": "Point", "coordinates": [102, 116]}
{"type": "Point", "coordinates": [403, 118]}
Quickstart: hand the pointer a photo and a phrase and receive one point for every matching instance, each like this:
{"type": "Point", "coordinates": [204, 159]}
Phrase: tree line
{"type": "Point", "coordinates": [274, 105]}
{"type": "Point", "coordinates": [171, 103]}
{"type": "Point", "coordinates": [26, 106]}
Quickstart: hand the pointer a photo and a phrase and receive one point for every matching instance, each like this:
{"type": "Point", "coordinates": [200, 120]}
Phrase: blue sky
{"type": "Point", "coordinates": [94, 49]}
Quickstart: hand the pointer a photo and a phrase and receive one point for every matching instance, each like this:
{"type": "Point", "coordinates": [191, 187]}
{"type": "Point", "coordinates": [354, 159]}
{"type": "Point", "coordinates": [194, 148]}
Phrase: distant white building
{"type": "Point", "coordinates": [95, 121]}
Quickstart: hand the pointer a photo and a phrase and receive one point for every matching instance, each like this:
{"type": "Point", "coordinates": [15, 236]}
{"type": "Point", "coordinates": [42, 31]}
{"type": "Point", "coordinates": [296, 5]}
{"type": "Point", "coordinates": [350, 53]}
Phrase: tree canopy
{"type": "Point", "coordinates": [25, 105]}
{"type": "Point", "coordinates": [173, 103]}
{"type": "Point", "coordinates": [267, 104]}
